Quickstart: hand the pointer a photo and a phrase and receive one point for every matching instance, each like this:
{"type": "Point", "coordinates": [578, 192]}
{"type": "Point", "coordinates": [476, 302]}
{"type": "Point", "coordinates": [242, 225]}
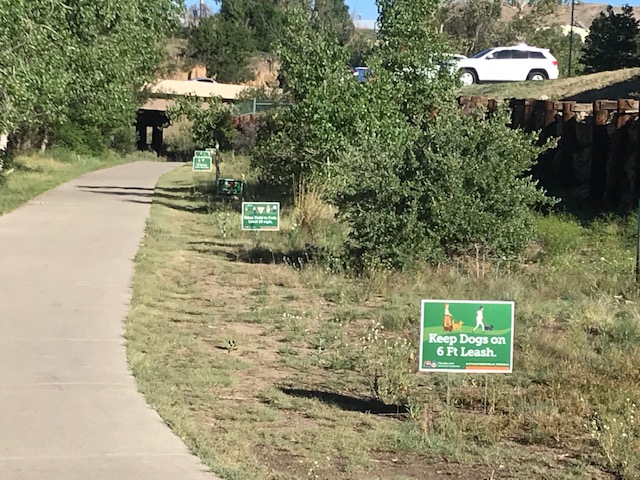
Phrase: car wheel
{"type": "Point", "coordinates": [537, 75]}
{"type": "Point", "coordinates": [468, 77]}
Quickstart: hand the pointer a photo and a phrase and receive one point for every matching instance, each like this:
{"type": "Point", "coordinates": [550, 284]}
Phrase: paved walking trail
{"type": "Point", "coordinates": [69, 408]}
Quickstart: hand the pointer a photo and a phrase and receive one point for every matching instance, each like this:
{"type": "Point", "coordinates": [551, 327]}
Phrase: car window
{"type": "Point", "coordinates": [482, 53]}
{"type": "Point", "coordinates": [503, 54]}
{"type": "Point", "coordinates": [520, 54]}
{"type": "Point", "coordinates": [536, 55]}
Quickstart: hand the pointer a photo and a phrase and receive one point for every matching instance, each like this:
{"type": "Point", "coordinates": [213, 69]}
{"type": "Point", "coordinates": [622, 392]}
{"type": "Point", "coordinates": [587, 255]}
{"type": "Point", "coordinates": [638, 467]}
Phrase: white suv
{"type": "Point", "coordinates": [508, 64]}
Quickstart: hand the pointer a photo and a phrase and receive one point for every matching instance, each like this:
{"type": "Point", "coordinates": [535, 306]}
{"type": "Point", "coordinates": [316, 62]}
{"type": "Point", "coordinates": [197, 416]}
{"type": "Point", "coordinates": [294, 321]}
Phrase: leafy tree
{"type": "Point", "coordinates": [117, 48]}
{"type": "Point", "coordinates": [224, 47]}
{"type": "Point", "coordinates": [209, 125]}
{"type": "Point", "coordinates": [34, 46]}
{"type": "Point", "coordinates": [612, 42]}
{"type": "Point", "coordinates": [360, 47]}
{"type": "Point", "coordinates": [413, 177]}
{"type": "Point", "coordinates": [78, 65]}
{"type": "Point", "coordinates": [305, 139]}
{"type": "Point", "coordinates": [243, 29]}
{"type": "Point", "coordinates": [333, 16]}
{"type": "Point", "coordinates": [474, 25]}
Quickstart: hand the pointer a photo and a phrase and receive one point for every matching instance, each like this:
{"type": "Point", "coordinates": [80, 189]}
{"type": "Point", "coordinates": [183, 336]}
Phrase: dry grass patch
{"type": "Point", "coordinates": [273, 371]}
{"type": "Point", "coordinates": [583, 88]}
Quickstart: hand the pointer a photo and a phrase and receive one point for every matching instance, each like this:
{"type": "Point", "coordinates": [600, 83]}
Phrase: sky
{"type": "Point", "coordinates": [367, 10]}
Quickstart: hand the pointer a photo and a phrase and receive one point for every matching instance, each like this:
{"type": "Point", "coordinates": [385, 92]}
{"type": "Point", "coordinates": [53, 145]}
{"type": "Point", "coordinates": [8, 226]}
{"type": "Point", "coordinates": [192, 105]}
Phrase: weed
{"type": "Point", "coordinates": [618, 438]}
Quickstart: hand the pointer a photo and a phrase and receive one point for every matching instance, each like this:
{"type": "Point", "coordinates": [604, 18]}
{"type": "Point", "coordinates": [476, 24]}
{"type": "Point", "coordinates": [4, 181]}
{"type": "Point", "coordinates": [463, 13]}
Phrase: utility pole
{"type": "Point", "coordinates": [201, 14]}
{"type": "Point", "coordinates": [571, 39]}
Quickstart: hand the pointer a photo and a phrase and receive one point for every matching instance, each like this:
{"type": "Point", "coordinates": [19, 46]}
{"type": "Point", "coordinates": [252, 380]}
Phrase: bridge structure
{"type": "Point", "coordinates": [152, 115]}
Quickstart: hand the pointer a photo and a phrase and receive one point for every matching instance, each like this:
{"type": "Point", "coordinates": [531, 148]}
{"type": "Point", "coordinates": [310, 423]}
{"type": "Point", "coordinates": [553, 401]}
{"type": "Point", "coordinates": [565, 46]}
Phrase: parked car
{"type": "Point", "coordinates": [361, 73]}
{"type": "Point", "coordinates": [509, 64]}
{"type": "Point", "coordinates": [203, 79]}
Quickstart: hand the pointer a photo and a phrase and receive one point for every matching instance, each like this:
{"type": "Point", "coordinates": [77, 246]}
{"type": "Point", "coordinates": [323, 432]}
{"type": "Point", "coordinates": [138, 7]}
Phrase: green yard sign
{"type": "Point", "coordinates": [260, 216]}
{"type": "Point", "coordinates": [229, 187]}
{"type": "Point", "coordinates": [202, 161]}
{"type": "Point", "coordinates": [466, 336]}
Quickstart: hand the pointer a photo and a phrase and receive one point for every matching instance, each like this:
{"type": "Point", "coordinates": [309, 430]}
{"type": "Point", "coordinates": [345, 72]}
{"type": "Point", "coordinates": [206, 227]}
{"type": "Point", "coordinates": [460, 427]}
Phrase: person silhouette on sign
{"type": "Point", "coordinates": [447, 318]}
{"type": "Point", "coordinates": [479, 319]}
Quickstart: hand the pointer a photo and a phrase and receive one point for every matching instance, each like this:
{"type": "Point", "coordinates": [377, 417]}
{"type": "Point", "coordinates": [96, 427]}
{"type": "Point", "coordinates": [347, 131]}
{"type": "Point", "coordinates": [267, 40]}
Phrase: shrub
{"type": "Point", "coordinates": [209, 126]}
{"type": "Point", "coordinates": [451, 194]}
{"type": "Point", "coordinates": [245, 139]}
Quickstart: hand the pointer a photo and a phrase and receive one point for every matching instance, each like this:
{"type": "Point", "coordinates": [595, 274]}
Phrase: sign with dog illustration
{"type": "Point", "coordinates": [466, 336]}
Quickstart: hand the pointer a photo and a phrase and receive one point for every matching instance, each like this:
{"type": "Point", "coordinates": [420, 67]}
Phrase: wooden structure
{"type": "Point", "coordinates": [596, 162]}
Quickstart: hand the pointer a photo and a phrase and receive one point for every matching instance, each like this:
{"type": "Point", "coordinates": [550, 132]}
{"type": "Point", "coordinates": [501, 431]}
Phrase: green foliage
{"type": "Point", "coordinates": [210, 125]}
{"type": "Point", "coordinates": [305, 139]}
{"type": "Point", "coordinates": [473, 25]}
{"type": "Point", "coordinates": [612, 42]}
{"type": "Point", "coordinates": [333, 16]}
{"type": "Point", "coordinates": [413, 177]}
{"type": "Point", "coordinates": [224, 47]}
{"type": "Point", "coordinates": [455, 193]}
{"type": "Point", "coordinates": [558, 234]}
{"type": "Point", "coordinates": [79, 62]}
{"type": "Point", "coordinates": [361, 47]}
{"type": "Point", "coordinates": [228, 41]}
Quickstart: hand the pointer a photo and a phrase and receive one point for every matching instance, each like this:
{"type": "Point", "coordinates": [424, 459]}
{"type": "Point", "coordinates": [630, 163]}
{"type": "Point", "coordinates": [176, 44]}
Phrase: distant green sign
{"type": "Point", "coordinates": [260, 216]}
{"type": "Point", "coordinates": [228, 187]}
{"type": "Point", "coordinates": [202, 161]}
{"type": "Point", "coordinates": [466, 336]}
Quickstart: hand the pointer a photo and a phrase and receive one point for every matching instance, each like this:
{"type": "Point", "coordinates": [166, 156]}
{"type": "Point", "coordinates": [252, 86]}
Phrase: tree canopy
{"type": "Point", "coordinates": [243, 29]}
{"type": "Point", "coordinates": [78, 62]}
{"type": "Point", "coordinates": [412, 176]}
{"type": "Point", "coordinates": [612, 42]}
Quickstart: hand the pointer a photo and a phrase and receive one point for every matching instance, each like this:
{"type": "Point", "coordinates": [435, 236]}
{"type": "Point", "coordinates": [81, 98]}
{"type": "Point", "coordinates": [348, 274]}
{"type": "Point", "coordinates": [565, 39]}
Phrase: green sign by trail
{"type": "Point", "coordinates": [466, 336]}
{"type": "Point", "coordinates": [202, 161]}
{"type": "Point", "coordinates": [229, 187]}
{"type": "Point", "coordinates": [260, 216]}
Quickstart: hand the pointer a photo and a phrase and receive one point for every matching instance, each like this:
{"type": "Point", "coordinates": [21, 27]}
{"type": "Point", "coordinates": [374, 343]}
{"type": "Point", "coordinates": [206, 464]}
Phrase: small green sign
{"type": "Point", "coordinates": [229, 187]}
{"type": "Point", "coordinates": [202, 161]}
{"type": "Point", "coordinates": [260, 216]}
{"type": "Point", "coordinates": [466, 336]}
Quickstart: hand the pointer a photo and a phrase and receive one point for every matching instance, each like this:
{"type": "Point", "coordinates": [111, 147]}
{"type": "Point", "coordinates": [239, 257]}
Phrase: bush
{"type": "Point", "coordinates": [463, 188]}
{"type": "Point", "coordinates": [208, 126]}
{"type": "Point", "coordinates": [245, 139]}
{"type": "Point", "coordinates": [91, 140]}
{"type": "Point", "coordinates": [414, 178]}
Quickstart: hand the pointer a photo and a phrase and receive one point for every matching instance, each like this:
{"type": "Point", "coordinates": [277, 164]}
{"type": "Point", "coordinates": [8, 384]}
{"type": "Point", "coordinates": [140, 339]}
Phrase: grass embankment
{"type": "Point", "coordinates": [584, 88]}
{"type": "Point", "coordinates": [31, 175]}
{"type": "Point", "coordinates": [269, 366]}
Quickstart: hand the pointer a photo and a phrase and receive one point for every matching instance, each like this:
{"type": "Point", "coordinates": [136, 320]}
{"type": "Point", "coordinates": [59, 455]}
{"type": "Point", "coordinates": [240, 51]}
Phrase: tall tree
{"type": "Point", "coordinates": [333, 16]}
{"type": "Point", "coordinates": [413, 176]}
{"type": "Point", "coordinates": [78, 62]}
{"type": "Point", "coordinates": [34, 49]}
{"type": "Point", "coordinates": [612, 42]}
{"type": "Point", "coordinates": [244, 29]}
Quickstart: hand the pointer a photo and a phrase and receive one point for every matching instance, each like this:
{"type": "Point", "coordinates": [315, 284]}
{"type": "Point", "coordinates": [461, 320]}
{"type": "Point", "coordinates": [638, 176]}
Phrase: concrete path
{"type": "Point", "coordinates": [69, 408]}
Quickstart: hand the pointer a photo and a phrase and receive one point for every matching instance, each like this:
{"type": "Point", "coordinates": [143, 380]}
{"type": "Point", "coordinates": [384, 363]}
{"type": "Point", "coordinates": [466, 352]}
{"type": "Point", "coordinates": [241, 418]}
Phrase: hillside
{"type": "Point", "coordinates": [623, 83]}
{"type": "Point", "coordinates": [584, 14]}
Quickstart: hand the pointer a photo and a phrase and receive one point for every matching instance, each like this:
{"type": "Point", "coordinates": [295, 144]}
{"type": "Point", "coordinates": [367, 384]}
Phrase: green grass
{"type": "Point", "coordinates": [585, 88]}
{"type": "Point", "coordinates": [32, 175]}
{"type": "Point", "coordinates": [321, 381]}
